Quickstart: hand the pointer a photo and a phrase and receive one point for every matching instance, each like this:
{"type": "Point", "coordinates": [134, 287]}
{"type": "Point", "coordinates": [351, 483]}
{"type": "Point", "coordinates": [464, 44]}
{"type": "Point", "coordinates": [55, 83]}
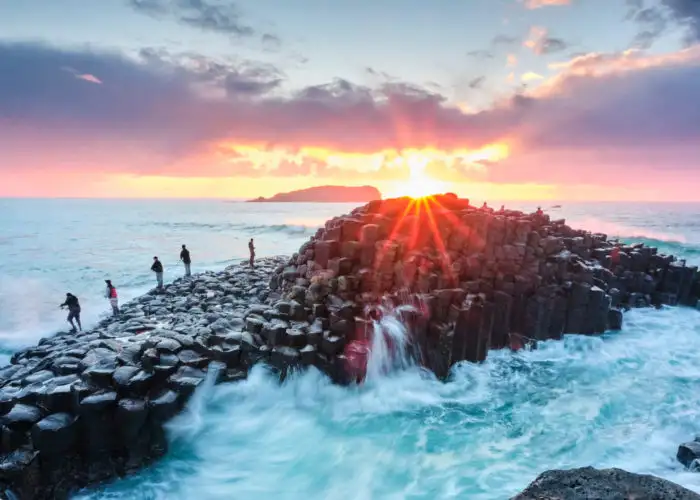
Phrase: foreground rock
{"type": "Point", "coordinates": [602, 484]}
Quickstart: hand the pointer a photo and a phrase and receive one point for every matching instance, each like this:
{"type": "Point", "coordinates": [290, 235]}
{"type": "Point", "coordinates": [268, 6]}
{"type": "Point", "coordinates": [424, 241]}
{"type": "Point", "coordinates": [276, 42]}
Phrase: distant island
{"type": "Point", "coordinates": [326, 194]}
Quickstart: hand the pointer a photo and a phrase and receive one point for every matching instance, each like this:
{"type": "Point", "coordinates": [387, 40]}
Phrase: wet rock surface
{"type": "Point", "coordinates": [480, 279]}
{"type": "Point", "coordinates": [602, 484]}
{"type": "Point", "coordinates": [77, 409]}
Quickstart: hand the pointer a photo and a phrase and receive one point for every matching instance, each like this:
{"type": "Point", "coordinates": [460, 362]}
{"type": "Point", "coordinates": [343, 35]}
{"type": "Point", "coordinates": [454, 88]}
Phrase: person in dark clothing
{"type": "Point", "coordinates": [73, 311]}
{"type": "Point", "coordinates": [157, 268]}
{"type": "Point", "coordinates": [185, 258]}
{"type": "Point", "coordinates": [251, 248]}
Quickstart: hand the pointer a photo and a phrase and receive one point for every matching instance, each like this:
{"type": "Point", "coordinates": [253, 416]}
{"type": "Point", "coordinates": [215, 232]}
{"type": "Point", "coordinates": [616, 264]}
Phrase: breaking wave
{"type": "Point", "coordinates": [252, 229]}
{"type": "Point", "coordinates": [623, 400]}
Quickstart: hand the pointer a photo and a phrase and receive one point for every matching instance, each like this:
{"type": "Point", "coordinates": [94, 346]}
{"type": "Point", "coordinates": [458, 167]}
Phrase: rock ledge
{"type": "Point", "coordinates": [588, 483]}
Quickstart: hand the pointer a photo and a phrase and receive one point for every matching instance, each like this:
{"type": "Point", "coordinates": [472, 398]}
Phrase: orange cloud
{"type": "Point", "coordinates": [596, 65]}
{"type": "Point", "coordinates": [596, 121]}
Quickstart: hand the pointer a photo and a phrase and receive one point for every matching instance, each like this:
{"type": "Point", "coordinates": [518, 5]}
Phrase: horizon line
{"type": "Point", "coordinates": [243, 200]}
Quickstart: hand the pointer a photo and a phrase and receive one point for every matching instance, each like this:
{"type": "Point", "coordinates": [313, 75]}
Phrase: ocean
{"type": "Point", "coordinates": [625, 399]}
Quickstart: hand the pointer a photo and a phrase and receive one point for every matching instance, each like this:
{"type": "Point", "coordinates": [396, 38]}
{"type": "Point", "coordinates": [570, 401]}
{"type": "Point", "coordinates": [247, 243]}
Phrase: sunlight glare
{"type": "Point", "coordinates": [418, 184]}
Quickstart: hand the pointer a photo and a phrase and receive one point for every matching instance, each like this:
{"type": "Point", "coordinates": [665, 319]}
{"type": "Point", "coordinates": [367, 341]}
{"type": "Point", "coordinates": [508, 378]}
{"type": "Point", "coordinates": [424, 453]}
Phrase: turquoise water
{"type": "Point", "coordinates": [624, 399]}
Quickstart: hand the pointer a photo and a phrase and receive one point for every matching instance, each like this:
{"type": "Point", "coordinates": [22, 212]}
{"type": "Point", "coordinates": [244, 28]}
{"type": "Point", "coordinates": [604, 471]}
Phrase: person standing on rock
{"type": "Point", "coordinates": [185, 258]}
{"type": "Point", "coordinates": [157, 268]}
{"type": "Point", "coordinates": [73, 311]}
{"type": "Point", "coordinates": [614, 257]}
{"type": "Point", "coordinates": [111, 294]}
{"type": "Point", "coordinates": [251, 248]}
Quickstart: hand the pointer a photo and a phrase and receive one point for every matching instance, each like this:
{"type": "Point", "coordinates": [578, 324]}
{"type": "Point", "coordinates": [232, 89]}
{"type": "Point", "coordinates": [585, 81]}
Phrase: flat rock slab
{"type": "Point", "coordinates": [588, 483]}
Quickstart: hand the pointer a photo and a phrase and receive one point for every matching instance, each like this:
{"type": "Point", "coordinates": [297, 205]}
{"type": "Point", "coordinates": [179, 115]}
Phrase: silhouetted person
{"type": "Point", "coordinates": [111, 294]}
{"type": "Point", "coordinates": [485, 206]}
{"type": "Point", "coordinates": [539, 212]}
{"type": "Point", "coordinates": [185, 258]}
{"type": "Point", "coordinates": [157, 268]}
{"type": "Point", "coordinates": [503, 208]}
{"type": "Point", "coordinates": [251, 249]}
{"type": "Point", "coordinates": [73, 310]}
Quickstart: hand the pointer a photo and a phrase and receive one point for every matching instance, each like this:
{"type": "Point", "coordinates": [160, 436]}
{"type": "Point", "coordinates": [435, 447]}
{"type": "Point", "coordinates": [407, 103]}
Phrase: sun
{"type": "Point", "coordinates": [419, 184]}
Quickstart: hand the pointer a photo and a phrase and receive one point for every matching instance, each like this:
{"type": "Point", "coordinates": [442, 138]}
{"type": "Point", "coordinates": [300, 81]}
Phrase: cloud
{"type": "Point", "coordinates": [176, 116]}
{"type": "Point", "coordinates": [208, 15]}
{"type": "Point", "coordinates": [687, 13]}
{"type": "Point", "coordinates": [253, 79]}
{"type": "Point", "coordinates": [236, 78]}
{"type": "Point", "coordinates": [652, 22]}
{"type": "Point", "coordinates": [477, 82]}
{"type": "Point", "coordinates": [538, 4]}
{"type": "Point", "coordinates": [83, 76]}
{"type": "Point", "coordinates": [480, 54]}
{"type": "Point", "coordinates": [541, 43]}
{"type": "Point", "coordinates": [271, 43]}
{"type": "Point", "coordinates": [505, 40]}
{"type": "Point", "coordinates": [613, 119]}
{"type": "Point", "coordinates": [511, 61]}
{"type": "Point", "coordinates": [530, 76]}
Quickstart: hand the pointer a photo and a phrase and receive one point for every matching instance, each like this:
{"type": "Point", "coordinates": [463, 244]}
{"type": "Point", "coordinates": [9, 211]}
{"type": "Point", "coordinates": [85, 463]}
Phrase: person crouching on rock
{"type": "Point", "coordinates": [157, 268]}
{"type": "Point", "coordinates": [111, 294]}
{"type": "Point", "coordinates": [73, 311]}
{"type": "Point", "coordinates": [251, 248]}
{"type": "Point", "coordinates": [185, 258]}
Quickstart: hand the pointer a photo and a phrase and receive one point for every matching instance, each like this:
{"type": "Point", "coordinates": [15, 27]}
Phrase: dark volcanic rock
{"type": "Point", "coordinates": [588, 483]}
{"type": "Point", "coordinates": [55, 434]}
{"type": "Point", "coordinates": [688, 454]}
{"type": "Point", "coordinates": [21, 417]}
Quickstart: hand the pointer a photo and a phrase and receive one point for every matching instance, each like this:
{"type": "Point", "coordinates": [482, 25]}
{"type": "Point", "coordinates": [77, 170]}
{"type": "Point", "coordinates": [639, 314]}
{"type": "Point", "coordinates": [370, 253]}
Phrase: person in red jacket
{"type": "Point", "coordinates": [614, 257]}
{"type": "Point", "coordinates": [111, 294]}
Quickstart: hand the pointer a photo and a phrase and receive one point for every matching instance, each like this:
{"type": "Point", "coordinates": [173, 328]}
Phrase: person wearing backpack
{"type": "Point", "coordinates": [157, 268]}
{"type": "Point", "coordinates": [186, 259]}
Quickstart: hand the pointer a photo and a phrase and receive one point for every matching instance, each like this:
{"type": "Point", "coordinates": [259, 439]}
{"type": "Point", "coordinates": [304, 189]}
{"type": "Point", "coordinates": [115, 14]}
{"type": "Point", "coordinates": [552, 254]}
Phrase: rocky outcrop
{"type": "Point", "coordinates": [79, 409]}
{"type": "Point", "coordinates": [479, 279]}
{"type": "Point", "coordinates": [326, 194]}
{"type": "Point", "coordinates": [602, 484]}
{"type": "Point", "coordinates": [689, 454]}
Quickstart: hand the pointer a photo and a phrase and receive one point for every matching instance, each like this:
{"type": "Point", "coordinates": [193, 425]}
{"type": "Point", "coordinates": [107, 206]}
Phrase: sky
{"type": "Point", "coordinates": [489, 99]}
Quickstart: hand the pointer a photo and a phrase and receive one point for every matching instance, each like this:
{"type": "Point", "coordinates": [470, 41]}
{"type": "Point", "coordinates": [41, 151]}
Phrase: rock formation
{"type": "Point", "coordinates": [689, 454]}
{"type": "Point", "coordinates": [602, 484]}
{"type": "Point", "coordinates": [481, 280]}
{"type": "Point", "coordinates": [79, 409]}
{"type": "Point", "coordinates": [326, 194]}
{"type": "Point", "coordinates": [82, 408]}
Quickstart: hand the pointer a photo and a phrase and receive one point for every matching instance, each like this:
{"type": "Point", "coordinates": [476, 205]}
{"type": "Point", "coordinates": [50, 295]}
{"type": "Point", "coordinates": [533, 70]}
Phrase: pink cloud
{"type": "Point", "coordinates": [605, 118]}
{"type": "Point", "coordinates": [89, 78]}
